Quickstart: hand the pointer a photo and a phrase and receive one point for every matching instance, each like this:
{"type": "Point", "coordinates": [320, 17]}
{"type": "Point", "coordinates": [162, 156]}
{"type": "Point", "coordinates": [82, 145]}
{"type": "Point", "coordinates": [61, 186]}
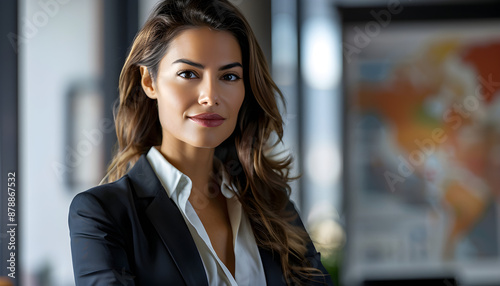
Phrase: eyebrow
{"type": "Point", "coordinates": [200, 66]}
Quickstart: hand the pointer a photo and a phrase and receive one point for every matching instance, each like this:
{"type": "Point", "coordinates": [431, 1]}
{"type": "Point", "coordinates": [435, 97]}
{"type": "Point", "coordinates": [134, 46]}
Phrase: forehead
{"type": "Point", "coordinates": [205, 46]}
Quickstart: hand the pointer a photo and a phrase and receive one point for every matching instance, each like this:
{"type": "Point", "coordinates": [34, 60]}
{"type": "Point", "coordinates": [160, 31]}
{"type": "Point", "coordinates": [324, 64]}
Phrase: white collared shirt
{"type": "Point", "coordinates": [248, 264]}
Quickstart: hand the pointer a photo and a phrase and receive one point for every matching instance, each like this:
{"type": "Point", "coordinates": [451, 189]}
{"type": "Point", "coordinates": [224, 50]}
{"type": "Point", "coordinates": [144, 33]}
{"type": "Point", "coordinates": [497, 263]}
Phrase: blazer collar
{"type": "Point", "coordinates": [272, 268]}
{"type": "Point", "coordinates": [144, 179]}
{"type": "Point", "coordinates": [168, 220]}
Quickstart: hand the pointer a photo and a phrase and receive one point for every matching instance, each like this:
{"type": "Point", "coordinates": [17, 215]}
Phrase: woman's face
{"type": "Point", "coordinates": [199, 87]}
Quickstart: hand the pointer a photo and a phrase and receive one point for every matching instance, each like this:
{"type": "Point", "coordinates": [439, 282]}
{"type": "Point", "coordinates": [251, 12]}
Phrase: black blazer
{"type": "Point", "coordinates": [130, 232]}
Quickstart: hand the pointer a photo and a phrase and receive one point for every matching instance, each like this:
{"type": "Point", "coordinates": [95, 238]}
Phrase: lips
{"type": "Point", "coordinates": [208, 119]}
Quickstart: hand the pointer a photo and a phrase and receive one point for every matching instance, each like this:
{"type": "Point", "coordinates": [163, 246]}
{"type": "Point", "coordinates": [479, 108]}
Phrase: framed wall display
{"type": "Point", "coordinates": [84, 162]}
{"type": "Point", "coordinates": [422, 144]}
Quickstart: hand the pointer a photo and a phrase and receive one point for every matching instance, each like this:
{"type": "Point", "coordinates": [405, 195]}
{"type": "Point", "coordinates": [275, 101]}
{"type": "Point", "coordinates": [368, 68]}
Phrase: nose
{"type": "Point", "coordinates": [208, 93]}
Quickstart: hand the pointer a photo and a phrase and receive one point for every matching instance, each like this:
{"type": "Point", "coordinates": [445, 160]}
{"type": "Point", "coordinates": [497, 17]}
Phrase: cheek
{"type": "Point", "coordinates": [237, 100]}
{"type": "Point", "coordinates": [235, 106]}
{"type": "Point", "coordinates": [172, 102]}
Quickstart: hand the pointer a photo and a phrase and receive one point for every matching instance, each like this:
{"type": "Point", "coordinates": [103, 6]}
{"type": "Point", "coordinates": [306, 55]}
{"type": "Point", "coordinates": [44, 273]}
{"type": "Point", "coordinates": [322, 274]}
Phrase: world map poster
{"type": "Point", "coordinates": [423, 127]}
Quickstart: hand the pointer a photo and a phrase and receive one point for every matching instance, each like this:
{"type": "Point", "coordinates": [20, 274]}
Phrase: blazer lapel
{"type": "Point", "coordinates": [169, 223]}
{"type": "Point", "coordinates": [272, 268]}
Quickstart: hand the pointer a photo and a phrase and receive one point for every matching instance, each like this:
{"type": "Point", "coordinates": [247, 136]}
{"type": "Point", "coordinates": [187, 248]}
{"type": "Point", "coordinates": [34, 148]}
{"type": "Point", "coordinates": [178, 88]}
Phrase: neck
{"type": "Point", "coordinates": [196, 163]}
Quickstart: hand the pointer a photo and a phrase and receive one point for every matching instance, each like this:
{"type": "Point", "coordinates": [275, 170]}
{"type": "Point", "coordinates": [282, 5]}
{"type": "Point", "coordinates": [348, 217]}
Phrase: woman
{"type": "Point", "coordinates": [194, 198]}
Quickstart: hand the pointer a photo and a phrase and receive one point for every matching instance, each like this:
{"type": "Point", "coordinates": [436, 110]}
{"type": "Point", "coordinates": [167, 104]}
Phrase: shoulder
{"type": "Point", "coordinates": [292, 214]}
{"type": "Point", "coordinates": [106, 192]}
{"type": "Point", "coordinates": [111, 198]}
{"type": "Point", "coordinates": [312, 255]}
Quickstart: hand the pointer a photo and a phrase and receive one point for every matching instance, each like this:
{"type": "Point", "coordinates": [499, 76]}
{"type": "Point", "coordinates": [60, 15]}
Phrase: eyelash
{"type": "Point", "coordinates": [233, 75]}
{"type": "Point", "coordinates": [183, 74]}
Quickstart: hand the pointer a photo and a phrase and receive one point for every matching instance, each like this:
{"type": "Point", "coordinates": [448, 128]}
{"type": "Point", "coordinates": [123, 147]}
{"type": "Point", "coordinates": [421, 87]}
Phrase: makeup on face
{"type": "Point", "coordinates": [200, 87]}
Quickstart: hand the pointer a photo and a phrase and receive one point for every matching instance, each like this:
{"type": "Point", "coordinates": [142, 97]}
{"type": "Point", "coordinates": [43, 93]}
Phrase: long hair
{"type": "Point", "coordinates": [261, 178]}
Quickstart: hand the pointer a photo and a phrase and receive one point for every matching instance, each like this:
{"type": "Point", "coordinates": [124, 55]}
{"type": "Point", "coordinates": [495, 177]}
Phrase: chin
{"type": "Point", "coordinates": [209, 144]}
{"type": "Point", "coordinates": [208, 139]}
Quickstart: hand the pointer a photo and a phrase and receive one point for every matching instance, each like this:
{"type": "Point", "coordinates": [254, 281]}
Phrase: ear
{"type": "Point", "coordinates": [147, 83]}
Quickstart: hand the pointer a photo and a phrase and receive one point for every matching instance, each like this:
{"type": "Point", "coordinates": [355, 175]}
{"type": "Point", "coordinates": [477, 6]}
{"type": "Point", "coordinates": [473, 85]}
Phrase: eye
{"type": "Point", "coordinates": [187, 74]}
{"type": "Point", "coordinates": [230, 77]}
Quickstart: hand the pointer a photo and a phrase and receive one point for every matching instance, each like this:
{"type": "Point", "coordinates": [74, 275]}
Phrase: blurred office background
{"type": "Point", "coordinates": [392, 117]}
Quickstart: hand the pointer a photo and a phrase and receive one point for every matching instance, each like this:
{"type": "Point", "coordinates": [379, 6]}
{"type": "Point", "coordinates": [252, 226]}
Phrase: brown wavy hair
{"type": "Point", "coordinates": [262, 179]}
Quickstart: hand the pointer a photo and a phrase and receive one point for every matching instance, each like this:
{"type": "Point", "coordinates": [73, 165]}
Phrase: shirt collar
{"type": "Point", "coordinates": [178, 185]}
{"type": "Point", "coordinates": [227, 188]}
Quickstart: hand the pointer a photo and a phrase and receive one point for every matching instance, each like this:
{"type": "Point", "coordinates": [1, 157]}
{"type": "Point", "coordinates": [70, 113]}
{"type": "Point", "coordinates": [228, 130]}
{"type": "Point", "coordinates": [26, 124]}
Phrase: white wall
{"type": "Point", "coordinates": [62, 45]}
